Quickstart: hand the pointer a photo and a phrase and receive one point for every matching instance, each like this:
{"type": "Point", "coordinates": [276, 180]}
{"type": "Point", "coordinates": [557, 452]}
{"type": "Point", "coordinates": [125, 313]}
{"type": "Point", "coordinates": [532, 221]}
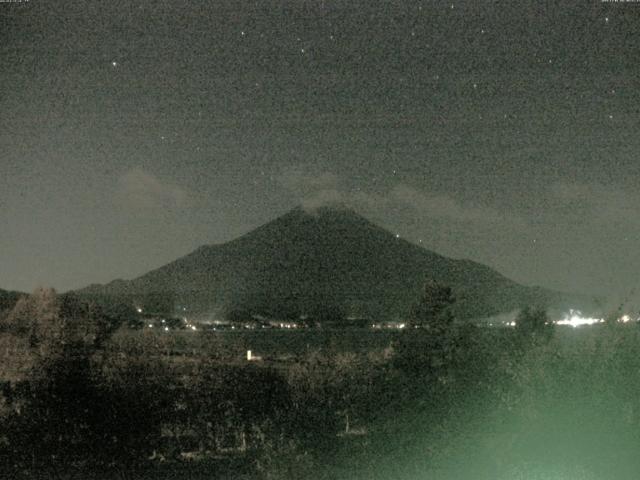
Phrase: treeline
{"type": "Point", "coordinates": [445, 397]}
{"type": "Point", "coordinates": [74, 404]}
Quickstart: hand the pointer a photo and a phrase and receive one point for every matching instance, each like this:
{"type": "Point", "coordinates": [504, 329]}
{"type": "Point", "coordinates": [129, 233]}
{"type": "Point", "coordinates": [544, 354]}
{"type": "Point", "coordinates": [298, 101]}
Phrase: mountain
{"type": "Point", "coordinates": [325, 262]}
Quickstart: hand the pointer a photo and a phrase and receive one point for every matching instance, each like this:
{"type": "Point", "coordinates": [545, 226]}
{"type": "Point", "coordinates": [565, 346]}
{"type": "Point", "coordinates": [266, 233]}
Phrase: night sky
{"type": "Point", "coordinates": [504, 132]}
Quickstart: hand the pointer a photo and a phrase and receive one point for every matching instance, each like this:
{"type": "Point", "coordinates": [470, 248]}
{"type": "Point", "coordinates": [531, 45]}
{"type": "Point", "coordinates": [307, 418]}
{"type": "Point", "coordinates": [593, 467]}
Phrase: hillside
{"type": "Point", "coordinates": [309, 263]}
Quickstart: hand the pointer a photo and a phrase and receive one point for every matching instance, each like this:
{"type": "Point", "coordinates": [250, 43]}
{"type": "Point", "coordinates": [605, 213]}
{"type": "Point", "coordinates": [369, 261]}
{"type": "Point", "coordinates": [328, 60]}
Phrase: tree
{"type": "Point", "coordinates": [59, 326]}
{"type": "Point", "coordinates": [52, 384]}
{"type": "Point", "coordinates": [534, 323]}
{"type": "Point", "coordinates": [431, 351]}
{"type": "Point", "coordinates": [433, 310]}
{"type": "Point", "coordinates": [35, 317]}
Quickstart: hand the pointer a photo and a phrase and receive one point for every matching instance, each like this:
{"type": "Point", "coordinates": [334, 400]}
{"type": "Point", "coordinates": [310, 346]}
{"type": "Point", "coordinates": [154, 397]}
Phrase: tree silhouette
{"type": "Point", "coordinates": [58, 404]}
{"type": "Point", "coordinates": [534, 323]}
{"type": "Point", "coordinates": [433, 310]}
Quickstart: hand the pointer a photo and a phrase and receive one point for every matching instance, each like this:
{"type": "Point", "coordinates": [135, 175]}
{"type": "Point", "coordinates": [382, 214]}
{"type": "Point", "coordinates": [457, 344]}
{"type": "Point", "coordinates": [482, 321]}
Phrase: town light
{"type": "Point", "coordinates": [575, 319]}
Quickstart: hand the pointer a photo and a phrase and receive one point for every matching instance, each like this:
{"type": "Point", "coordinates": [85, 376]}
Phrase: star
{"type": "Point", "coordinates": [114, 64]}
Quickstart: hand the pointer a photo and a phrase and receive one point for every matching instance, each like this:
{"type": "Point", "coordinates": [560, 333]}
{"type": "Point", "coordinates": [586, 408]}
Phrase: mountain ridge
{"type": "Point", "coordinates": [307, 261]}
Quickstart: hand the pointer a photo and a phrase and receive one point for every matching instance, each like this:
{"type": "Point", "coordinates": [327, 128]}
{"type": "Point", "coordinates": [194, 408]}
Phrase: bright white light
{"type": "Point", "coordinates": [139, 310]}
{"type": "Point", "coordinates": [575, 319]}
{"type": "Point", "coordinates": [166, 329]}
{"type": "Point", "coordinates": [624, 318]}
{"type": "Point", "coordinates": [193, 327]}
{"type": "Point", "coordinates": [150, 325]}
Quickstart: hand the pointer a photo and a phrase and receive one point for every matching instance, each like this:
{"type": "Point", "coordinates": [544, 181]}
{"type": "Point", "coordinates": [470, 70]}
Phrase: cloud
{"type": "Point", "coordinates": [598, 204]}
{"type": "Point", "coordinates": [370, 201]}
{"type": "Point", "coordinates": [315, 188]}
{"type": "Point", "coordinates": [442, 206]}
{"type": "Point", "coordinates": [321, 198]}
{"type": "Point", "coordinates": [570, 192]}
{"type": "Point", "coordinates": [306, 178]}
{"type": "Point", "coordinates": [140, 190]}
{"type": "Point", "coordinates": [312, 187]}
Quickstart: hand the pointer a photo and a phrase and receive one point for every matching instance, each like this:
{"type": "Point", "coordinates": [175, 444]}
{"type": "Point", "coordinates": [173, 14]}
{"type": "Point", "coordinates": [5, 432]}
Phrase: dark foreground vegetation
{"type": "Point", "coordinates": [83, 397]}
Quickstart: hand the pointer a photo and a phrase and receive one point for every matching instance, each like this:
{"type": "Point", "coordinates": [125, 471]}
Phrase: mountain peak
{"type": "Point", "coordinates": [329, 208]}
{"type": "Point", "coordinates": [326, 257]}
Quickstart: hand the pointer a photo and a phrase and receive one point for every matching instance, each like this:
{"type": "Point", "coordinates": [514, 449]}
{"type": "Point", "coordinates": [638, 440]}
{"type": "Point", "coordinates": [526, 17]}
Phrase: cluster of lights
{"type": "Point", "coordinates": [288, 325]}
{"type": "Point", "coordinates": [390, 325]}
{"type": "Point", "coordinates": [575, 319]}
{"type": "Point", "coordinates": [163, 325]}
